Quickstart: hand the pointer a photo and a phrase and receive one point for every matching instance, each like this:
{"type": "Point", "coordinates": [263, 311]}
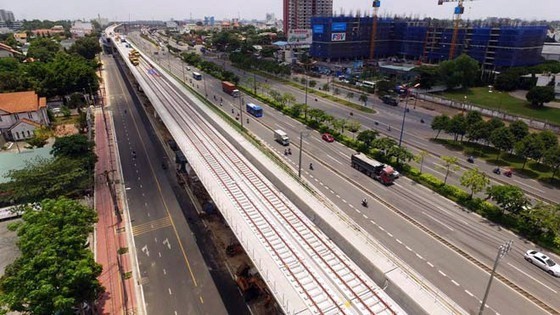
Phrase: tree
{"type": "Point", "coordinates": [420, 158]}
{"type": "Point", "coordinates": [502, 139]}
{"type": "Point", "coordinates": [367, 137]}
{"type": "Point", "coordinates": [287, 98]}
{"type": "Point", "coordinates": [87, 47]}
{"type": "Point", "coordinates": [519, 129]}
{"type": "Point", "coordinates": [384, 144]}
{"type": "Point", "coordinates": [43, 49]}
{"type": "Point", "coordinates": [44, 178]}
{"type": "Point", "coordinates": [440, 123]}
{"type": "Point", "coordinates": [541, 221]}
{"type": "Point", "coordinates": [363, 98]}
{"type": "Point", "coordinates": [350, 95]}
{"type": "Point", "coordinates": [508, 197]}
{"type": "Point", "coordinates": [56, 273]}
{"type": "Point", "coordinates": [312, 83]}
{"type": "Point", "coordinates": [297, 109]}
{"type": "Point", "coordinates": [336, 91]}
{"type": "Point", "coordinates": [401, 154]}
{"type": "Point", "coordinates": [326, 87]}
{"type": "Point", "coordinates": [478, 131]}
{"type": "Point", "coordinates": [507, 81]}
{"type": "Point", "coordinates": [459, 72]}
{"type": "Point", "coordinates": [538, 95]}
{"type": "Point", "coordinates": [75, 147]}
{"type": "Point", "coordinates": [473, 117]}
{"type": "Point", "coordinates": [67, 74]}
{"type": "Point", "coordinates": [449, 166]}
{"type": "Point", "coordinates": [40, 137]}
{"type": "Point", "coordinates": [457, 126]}
{"type": "Point", "coordinates": [548, 138]}
{"type": "Point", "coordinates": [428, 76]}
{"type": "Point", "coordinates": [316, 114]}
{"type": "Point", "coordinates": [529, 147]}
{"type": "Point", "coordinates": [475, 180]}
{"type": "Point", "coordinates": [339, 125]}
{"type": "Point", "coordinates": [353, 126]}
{"type": "Point", "coordinates": [552, 159]}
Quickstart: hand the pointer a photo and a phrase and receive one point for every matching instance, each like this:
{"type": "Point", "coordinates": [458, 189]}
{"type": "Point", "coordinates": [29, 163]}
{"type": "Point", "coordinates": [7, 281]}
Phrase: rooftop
{"type": "Point", "coordinates": [21, 102]}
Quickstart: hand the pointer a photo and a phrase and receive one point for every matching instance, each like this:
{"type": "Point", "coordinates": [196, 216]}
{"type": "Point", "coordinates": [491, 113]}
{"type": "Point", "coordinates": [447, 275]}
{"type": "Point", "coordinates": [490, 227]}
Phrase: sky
{"type": "Point", "coordinates": [256, 9]}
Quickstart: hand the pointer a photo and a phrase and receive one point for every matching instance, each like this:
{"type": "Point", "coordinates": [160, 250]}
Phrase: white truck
{"type": "Point", "coordinates": [281, 137]}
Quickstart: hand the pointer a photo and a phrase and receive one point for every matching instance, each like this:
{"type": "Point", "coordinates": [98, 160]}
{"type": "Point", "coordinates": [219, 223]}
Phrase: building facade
{"type": "Point", "coordinates": [298, 13]}
{"type": "Point", "coordinates": [21, 113]}
{"type": "Point", "coordinates": [494, 47]}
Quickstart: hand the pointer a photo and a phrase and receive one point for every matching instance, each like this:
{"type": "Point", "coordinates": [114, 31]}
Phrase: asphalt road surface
{"type": "Point", "coordinates": [449, 246]}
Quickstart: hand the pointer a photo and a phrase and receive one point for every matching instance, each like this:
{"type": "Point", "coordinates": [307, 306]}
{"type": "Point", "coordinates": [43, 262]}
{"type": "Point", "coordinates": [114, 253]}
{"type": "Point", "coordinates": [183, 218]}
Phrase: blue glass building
{"type": "Point", "coordinates": [349, 38]}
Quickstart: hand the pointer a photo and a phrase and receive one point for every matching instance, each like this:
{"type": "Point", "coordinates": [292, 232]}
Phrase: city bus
{"type": "Point", "coordinates": [197, 76]}
{"type": "Point", "coordinates": [368, 84]}
{"type": "Point", "coordinates": [254, 110]}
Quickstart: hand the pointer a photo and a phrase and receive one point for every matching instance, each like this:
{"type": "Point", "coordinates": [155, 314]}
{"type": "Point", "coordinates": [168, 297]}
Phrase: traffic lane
{"type": "Point", "coordinates": [152, 207]}
{"type": "Point", "coordinates": [450, 272]}
{"type": "Point", "coordinates": [474, 235]}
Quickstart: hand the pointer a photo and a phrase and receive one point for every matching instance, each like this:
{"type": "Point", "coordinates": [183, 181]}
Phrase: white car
{"type": "Point", "coordinates": [544, 262]}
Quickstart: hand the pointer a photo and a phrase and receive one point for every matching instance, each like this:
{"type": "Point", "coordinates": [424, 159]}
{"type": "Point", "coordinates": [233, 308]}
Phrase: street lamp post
{"type": "Point", "coordinates": [306, 83]}
{"type": "Point", "coordinates": [241, 101]}
{"type": "Point", "coordinates": [301, 133]}
{"type": "Point", "coordinates": [205, 92]}
{"type": "Point", "coordinates": [404, 113]}
{"type": "Point", "coordinates": [502, 251]}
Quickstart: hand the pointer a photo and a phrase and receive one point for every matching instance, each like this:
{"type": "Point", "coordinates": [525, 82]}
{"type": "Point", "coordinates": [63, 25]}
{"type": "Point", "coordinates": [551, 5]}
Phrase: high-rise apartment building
{"type": "Point", "coordinates": [298, 13]}
{"type": "Point", "coordinates": [6, 16]}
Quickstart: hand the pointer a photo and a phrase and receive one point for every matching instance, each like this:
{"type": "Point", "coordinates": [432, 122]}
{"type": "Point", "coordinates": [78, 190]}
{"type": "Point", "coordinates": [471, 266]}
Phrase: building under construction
{"type": "Point", "coordinates": [494, 45]}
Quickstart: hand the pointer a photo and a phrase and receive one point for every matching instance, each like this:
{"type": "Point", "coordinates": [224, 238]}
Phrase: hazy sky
{"type": "Point", "coordinates": [178, 10]}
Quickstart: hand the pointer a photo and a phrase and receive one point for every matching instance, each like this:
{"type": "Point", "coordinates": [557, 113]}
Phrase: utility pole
{"type": "Point", "coordinates": [405, 111]}
{"type": "Point", "coordinates": [301, 133]}
{"type": "Point", "coordinates": [112, 192]}
{"type": "Point", "coordinates": [241, 101]}
{"type": "Point", "coordinates": [502, 251]}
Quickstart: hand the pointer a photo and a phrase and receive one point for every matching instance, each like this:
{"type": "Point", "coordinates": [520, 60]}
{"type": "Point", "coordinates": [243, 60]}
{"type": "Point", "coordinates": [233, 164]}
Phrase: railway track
{"type": "Point", "coordinates": [327, 280]}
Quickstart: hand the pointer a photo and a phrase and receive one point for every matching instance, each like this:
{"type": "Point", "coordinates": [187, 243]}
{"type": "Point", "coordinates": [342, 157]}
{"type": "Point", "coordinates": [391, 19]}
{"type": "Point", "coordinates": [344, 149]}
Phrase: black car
{"type": "Point", "coordinates": [389, 100]}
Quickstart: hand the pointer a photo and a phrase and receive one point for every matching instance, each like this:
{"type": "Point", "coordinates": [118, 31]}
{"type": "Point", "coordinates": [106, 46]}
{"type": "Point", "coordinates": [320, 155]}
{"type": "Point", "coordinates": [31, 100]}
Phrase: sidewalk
{"type": "Point", "coordinates": [110, 234]}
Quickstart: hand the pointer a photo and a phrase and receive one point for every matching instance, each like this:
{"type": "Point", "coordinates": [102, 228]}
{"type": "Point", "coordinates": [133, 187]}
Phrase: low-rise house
{"type": "Point", "coordinates": [81, 29]}
{"type": "Point", "coordinates": [21, 113]}
{"type": "Point", "coordinates": [7, 51]}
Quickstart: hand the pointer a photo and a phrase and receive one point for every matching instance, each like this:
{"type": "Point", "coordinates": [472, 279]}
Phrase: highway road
{"type": "Point", "coordinates": [175, 276]}
{"type": "Point", "coordinates": [449, 246]}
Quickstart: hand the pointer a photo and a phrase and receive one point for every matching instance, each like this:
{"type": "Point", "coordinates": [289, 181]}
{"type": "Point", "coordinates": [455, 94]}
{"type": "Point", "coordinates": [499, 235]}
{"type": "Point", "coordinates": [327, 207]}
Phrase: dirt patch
{"type": "Point", "coordinates": [65, 130]}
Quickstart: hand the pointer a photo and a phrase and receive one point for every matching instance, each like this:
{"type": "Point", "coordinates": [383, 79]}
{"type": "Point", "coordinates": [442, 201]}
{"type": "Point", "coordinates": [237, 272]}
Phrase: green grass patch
{"type": "Point", "coordinates": [61, 120]}
{"type": "Point", "coordinates": [502, 101]}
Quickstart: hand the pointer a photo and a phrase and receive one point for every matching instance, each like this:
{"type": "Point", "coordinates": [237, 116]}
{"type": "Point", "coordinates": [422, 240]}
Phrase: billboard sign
{"type": "Point", "coordinates": [338, 27]}
{"type": "Point", "coordinates": [318, 28]}
{"type": "Point", "coordinates": [300, 37]}
{"type": "Point", "coordinates": [338, 37]}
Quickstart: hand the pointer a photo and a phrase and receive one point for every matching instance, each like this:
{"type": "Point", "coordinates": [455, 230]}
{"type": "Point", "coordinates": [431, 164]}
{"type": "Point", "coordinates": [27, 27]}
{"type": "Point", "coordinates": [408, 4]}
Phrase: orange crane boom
{"type": "Point", "coordinates": [458, 11]}
{"type": "Point", "coordinates": [376, 4]}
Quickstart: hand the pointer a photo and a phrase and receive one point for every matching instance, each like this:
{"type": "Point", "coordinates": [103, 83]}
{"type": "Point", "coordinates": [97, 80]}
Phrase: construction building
{"type": "Point", "coordinates": [298, 13]}
{"type": "Point", "coordinates": [494, 46]}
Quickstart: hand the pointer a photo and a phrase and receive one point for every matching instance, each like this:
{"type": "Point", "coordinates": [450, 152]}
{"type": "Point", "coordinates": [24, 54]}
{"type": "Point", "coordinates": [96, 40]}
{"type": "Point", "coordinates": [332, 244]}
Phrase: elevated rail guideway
{"type": "Point", "coordinates": [306, 272]}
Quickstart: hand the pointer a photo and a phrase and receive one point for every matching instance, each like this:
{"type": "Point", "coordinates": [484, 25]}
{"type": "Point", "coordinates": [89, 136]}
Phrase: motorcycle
{"type": "Point", "coordinates": [470, 159]}
{"type": "Point", "coordinates": [497, 171]}
{"type": "Point", "coordinates": [364, 202]}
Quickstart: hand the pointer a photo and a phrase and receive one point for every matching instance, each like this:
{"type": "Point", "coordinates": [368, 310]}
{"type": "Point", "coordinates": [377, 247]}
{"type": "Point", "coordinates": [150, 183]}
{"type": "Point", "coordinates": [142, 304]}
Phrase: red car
{"type": "Point", "coordinates": [328, 137]}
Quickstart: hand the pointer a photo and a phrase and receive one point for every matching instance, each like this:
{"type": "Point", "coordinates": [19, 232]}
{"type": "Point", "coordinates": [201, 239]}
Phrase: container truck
{"type": "Point", "coordinates": [281, 137]}
{"type": "Point", "coordinates": [383, 173]}
{"type": "Point", "coordinates": [230, 89]}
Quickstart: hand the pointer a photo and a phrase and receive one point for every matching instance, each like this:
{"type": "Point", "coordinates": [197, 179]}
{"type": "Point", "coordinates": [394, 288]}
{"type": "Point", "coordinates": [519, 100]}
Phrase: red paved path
{"type": "Point", "coordinates": [119, 297]}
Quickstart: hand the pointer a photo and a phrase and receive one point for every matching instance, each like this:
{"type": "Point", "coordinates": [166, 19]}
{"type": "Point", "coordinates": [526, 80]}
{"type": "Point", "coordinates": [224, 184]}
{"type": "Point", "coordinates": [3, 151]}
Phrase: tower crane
{"type": "Point", "coordinates": [376, 4]}
{"type": "Point", "coordinates": [458, 11]}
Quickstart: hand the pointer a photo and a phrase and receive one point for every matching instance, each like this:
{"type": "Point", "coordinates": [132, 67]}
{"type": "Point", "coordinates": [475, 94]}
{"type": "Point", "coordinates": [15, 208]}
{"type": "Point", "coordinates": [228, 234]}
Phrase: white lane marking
{"type": "Point", "coordinates": [438, 221]}
{"type": "Point", "coordinates": [391, 235]}
{"type": "Point", "coordinates": [344, 200]}
{"type": "Point", "coordinates": [408, 248]}
{"type": "Point", "coordinates": [337, 161]}
{"type": "Point", "coordinates": [529, 186]}
{"type": "Point", "coordinates": [159, 253]}
{"type": "Point", "coordinates": [467, 292]}
{"type": "Point", "coordinates": [342, 153]}
{"type": "Point", "coordinates": [532, 278]}
{"type": "Point", "coordinates": [418, 255]}
{"type": "Point", "coordinates": [381, 228]}
{"type": "Point", "coordinates": [358, 210]}
{"type": "Point", "coordinates": [365, 216]}
{"type": "Point", "coordinates": [169, 289]}
{"type": "Point", "coordinates": [337, 196]}
{"type": "Point", "coordinates": [372, 222]}
{"type": "Point", "coordinates": [398, 241]}
{"type": "Point", "coordinates": [442, 273]}
{"type": "Point", "coordinates": [164, 271]}
{"type": "Point", "coordinates": [430, 264]}
{"type": "Point", "coordinates": [455, 282]}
